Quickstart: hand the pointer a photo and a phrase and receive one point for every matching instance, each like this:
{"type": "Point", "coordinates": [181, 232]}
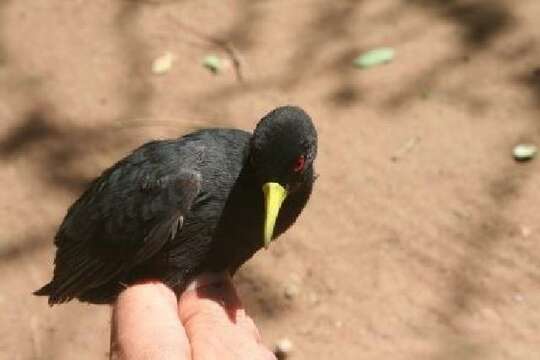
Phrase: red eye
{"type": "Point", "coordinates": [299, 164]}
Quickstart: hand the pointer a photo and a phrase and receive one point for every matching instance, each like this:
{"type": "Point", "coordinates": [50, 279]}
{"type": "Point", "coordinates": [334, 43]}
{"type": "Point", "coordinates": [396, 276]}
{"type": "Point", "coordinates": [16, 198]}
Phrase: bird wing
{"type": "Point", "coordinates": [126, 216]}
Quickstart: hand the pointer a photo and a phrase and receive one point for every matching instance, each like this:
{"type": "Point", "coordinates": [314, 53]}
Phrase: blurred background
{"type": "Point", "coordinates": [422, 238]}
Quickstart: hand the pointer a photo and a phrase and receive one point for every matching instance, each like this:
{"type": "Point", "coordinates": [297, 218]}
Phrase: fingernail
{"type": "Point", "coordinates": [208, 280]}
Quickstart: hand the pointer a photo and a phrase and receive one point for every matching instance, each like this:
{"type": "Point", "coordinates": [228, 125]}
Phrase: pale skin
{"type": "Point", "coordinates": [206, 321]}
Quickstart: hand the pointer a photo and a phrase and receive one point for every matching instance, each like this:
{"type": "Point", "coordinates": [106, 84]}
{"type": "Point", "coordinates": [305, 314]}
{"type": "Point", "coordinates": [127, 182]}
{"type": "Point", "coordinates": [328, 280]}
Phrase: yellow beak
{"type": "Point", "coordinates": [274, 195]}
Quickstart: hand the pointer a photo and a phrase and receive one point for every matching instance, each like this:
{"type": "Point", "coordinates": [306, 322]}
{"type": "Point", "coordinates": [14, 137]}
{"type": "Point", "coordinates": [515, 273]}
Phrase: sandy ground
{"type": "Point", "coordinates": [422, 239]}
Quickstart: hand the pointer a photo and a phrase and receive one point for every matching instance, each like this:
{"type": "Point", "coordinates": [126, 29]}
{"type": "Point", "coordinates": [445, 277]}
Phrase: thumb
{"type": "Point", "coordinates": [145, 324]}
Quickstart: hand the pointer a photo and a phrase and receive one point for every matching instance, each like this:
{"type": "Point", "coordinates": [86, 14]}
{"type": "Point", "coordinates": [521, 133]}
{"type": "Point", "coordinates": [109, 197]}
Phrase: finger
{"type": "Point", "coordinates": [146, 324]}
{"type": "Point", "coordinates": [267, 354]}
{"type": "Point", "coordinates": [247, 323]}
{"type": "Point", "coordinates": [216, 323]}
{"type": "Point", "coordinates": [211, 291]}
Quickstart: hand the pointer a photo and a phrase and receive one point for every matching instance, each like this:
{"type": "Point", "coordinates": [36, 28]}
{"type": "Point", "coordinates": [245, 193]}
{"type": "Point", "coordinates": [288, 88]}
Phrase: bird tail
{"type": "Point", "coordinates": [49, 290]}
{"type": "Point", "coordinates": [44, 291]}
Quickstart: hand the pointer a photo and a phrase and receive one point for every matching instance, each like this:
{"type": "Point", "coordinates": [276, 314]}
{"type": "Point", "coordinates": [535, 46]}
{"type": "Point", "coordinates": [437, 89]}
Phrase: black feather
{"type": "Point", "coordinates": [175, 208]}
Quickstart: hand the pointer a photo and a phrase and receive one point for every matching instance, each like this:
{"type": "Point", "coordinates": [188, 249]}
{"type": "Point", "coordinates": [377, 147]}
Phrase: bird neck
{"type": "Point", "coordinates": [239, 232]}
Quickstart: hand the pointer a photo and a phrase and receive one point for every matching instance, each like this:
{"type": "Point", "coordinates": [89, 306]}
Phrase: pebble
{"type": "Point", "coordinates": [490, 314]}
{"type": "Point", "coordinates": [526, 231]}
{"type": "Point", "coordinates": [291, 291]}
{"type": "Point", "coordinates": [283, 348]}
{"type": "Point", "coordinates": [313, 298]}
{"type": "Point", "coordinates": [163, 64]}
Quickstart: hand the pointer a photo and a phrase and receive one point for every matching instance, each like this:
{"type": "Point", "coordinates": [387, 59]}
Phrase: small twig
{"type": "Point", "coordinates": [36, 341]}
{"type": "Point", "coordinates": [154, 2]}
{"type": "Point", "coordinates": [403, 150]}
{"type": "Point", "coordinates": [235, 58]}
{"type": "Point", "coordinates": [225, 45]}
{"type": "Point", "coordinates": [142, 123]}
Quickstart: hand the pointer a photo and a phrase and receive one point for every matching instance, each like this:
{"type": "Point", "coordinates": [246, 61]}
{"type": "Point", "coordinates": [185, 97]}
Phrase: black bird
{"type": "Point", "coordinates": [172, 209]}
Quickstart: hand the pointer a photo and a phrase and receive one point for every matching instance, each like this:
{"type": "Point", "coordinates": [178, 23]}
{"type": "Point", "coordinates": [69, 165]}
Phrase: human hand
{"type": "Point", "coordinates": [207, 321]}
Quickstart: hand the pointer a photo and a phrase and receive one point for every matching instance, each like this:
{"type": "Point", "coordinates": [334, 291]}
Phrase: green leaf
{"type": "Point", "coordinates": [374, 57]}
{"type": "Point", "coordinates": [213, 63]}
{"type": "Point", "coordinates": [524, 152]}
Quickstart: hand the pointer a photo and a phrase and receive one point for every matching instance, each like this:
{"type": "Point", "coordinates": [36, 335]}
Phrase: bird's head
{"type": "Point", "coordinates": [283, 148]}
